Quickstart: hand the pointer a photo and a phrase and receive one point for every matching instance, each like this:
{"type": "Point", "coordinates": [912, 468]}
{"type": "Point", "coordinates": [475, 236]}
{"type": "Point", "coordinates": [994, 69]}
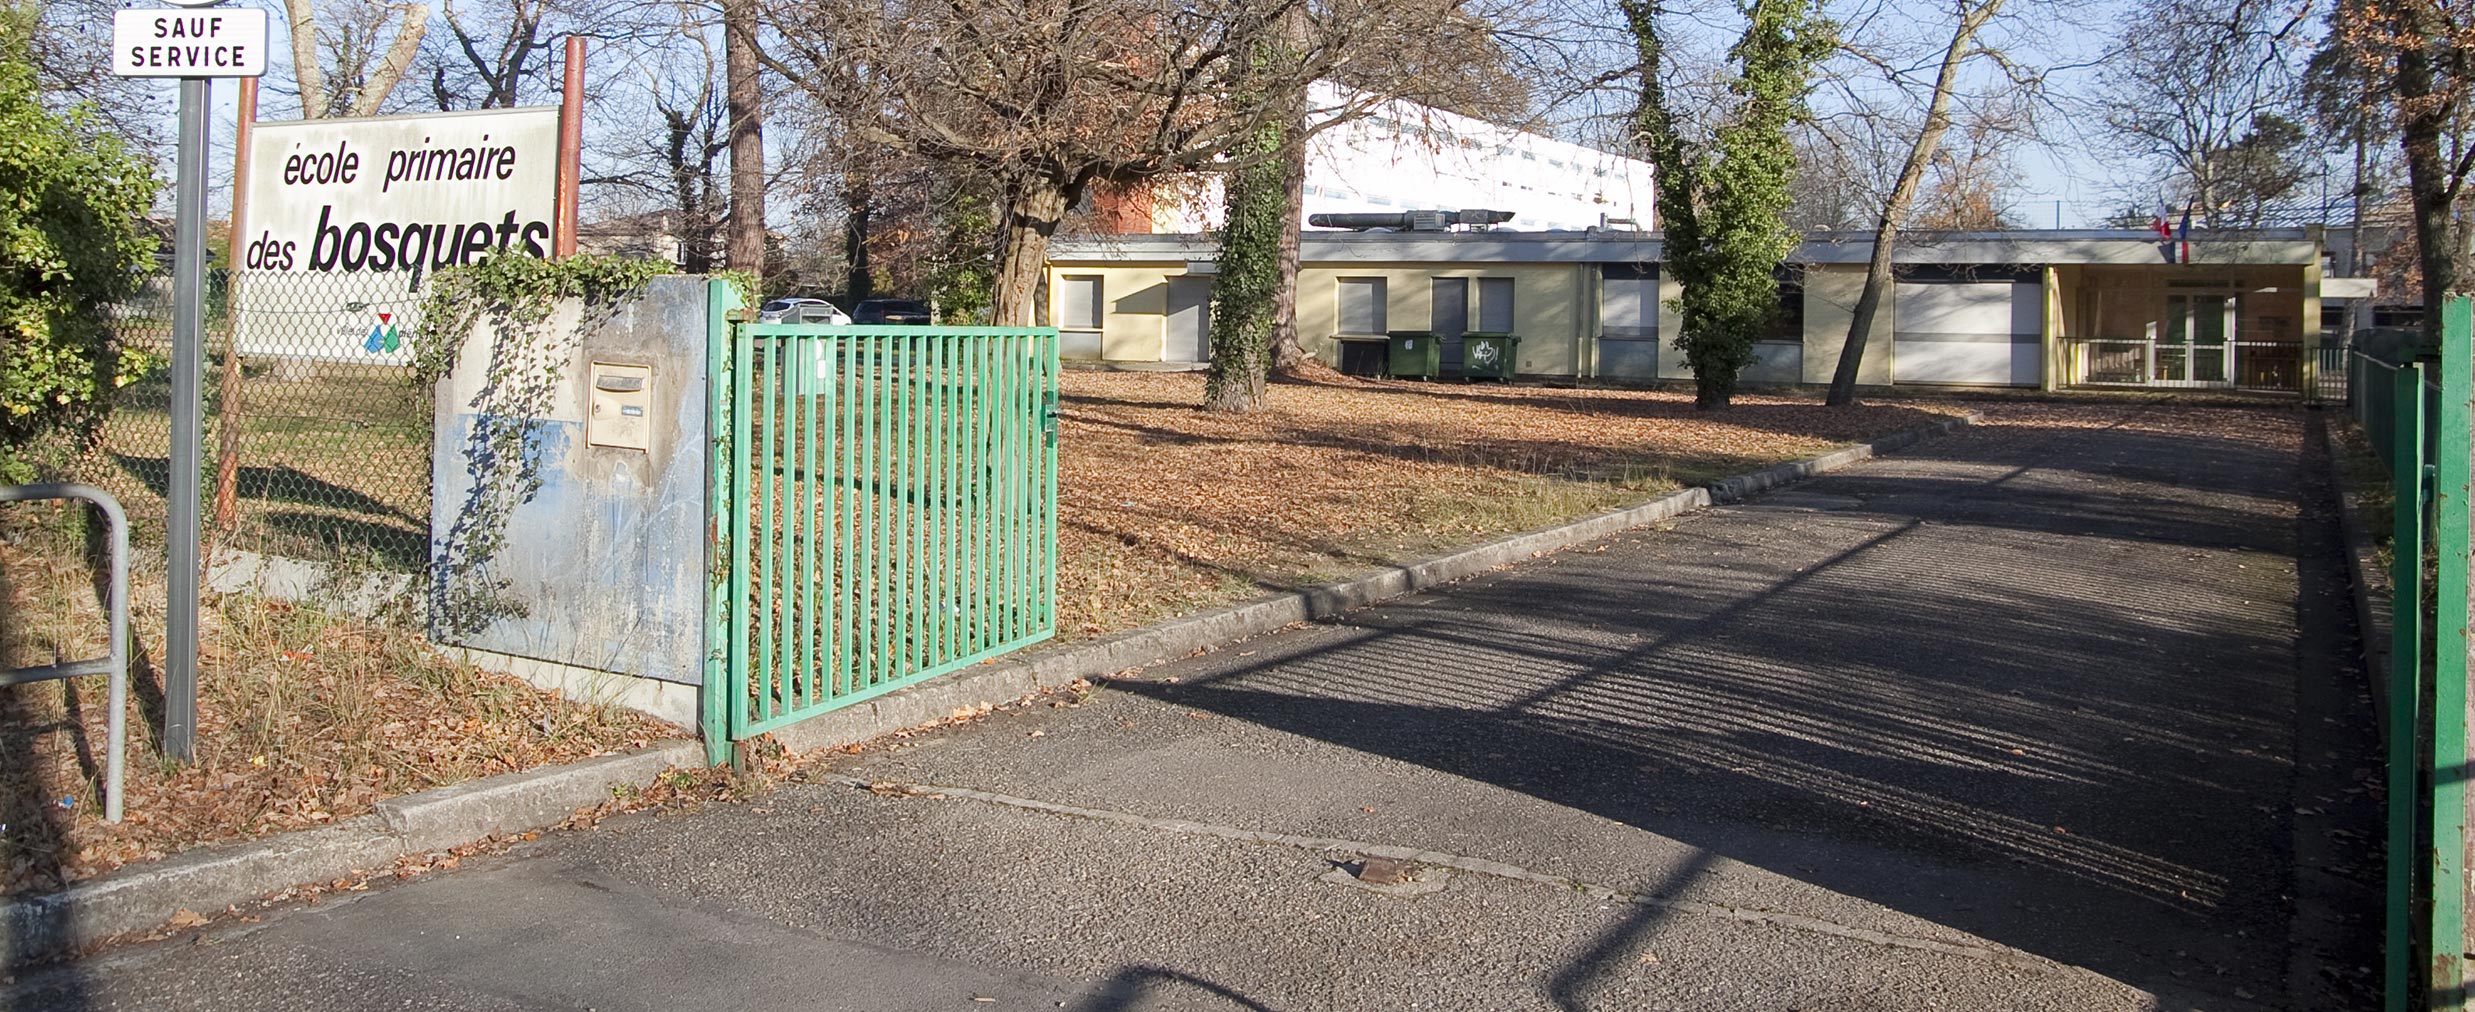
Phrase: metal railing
{"type": "Point", "coordinates": [886, 502]}
{"type": "Point", "coordinates": [116, 662]}
{"type": "Point", "coordinates": [2234, 365]}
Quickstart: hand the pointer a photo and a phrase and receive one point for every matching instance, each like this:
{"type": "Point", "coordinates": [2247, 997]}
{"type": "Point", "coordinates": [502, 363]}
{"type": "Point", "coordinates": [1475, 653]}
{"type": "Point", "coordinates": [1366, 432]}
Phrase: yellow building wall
{"type": "Point", "coordinates": [1134, 302]}
{"type": "Point", "coordinates": [1552, 306]}
{"type": "Point", "coordinates": [1831, 291]}
{"type": "Point", "coordinates": [1671, 326]}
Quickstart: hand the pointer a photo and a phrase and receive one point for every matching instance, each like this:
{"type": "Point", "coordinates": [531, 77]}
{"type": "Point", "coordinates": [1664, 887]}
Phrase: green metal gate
{"type": "Point", "coordinates": [884, 511]}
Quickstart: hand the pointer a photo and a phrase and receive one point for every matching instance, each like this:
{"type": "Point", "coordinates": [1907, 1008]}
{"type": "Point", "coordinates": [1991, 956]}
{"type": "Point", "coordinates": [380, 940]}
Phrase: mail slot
{"type": "Point", "coordinates": [622, 407]}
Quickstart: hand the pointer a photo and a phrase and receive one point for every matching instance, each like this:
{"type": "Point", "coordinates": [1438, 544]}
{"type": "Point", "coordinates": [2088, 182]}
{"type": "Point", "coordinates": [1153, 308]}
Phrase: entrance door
{"type": "Point", "coordinates": [1189, 334]}
{"type": "Point", "coordinates": [1450, 318]}
{"type": "Point", "coordinates": [2196, 347]}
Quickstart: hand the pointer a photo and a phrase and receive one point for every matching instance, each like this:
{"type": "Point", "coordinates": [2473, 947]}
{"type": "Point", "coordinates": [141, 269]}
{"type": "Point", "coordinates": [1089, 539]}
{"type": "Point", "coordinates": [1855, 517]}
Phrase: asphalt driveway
{"type": "Point", "coordinates": [2062, 712]}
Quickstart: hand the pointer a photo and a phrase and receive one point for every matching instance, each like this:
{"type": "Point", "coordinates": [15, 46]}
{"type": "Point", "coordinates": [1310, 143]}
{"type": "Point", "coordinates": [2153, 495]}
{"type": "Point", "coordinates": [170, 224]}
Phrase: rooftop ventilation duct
{"type": "Point", "coordinates": [1410, 221]}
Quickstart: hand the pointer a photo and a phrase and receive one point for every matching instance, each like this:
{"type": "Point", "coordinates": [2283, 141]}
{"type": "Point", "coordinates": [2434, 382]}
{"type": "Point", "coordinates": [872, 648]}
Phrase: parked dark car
{"type": "Point", "coordinates": [902, 311]}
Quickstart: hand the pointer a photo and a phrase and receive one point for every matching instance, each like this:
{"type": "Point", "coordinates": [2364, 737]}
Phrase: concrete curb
{"type": "Point", "coordinates": [2369, 586]}
{"type": "Point", "coordinates": [209, 879]}
{"type": "Point", "coordinates": [1003, 681]}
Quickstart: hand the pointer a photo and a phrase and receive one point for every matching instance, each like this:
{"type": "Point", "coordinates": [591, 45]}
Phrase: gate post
{"type": "Point", "coordinates": [2448, 939]}
{"type": "Point", "coordinates": [722, 303]}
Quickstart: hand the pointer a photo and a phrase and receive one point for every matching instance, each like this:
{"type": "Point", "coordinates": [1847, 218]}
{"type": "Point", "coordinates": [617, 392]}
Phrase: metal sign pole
{"type": "Point", "coordinates": [180, 660]}
{"type": "Point", "coordinates": [168, 42]}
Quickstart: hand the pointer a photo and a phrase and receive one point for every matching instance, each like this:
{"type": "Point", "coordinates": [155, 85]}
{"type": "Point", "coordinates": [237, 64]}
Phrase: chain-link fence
{"type": "Point", "coordinates": [317, 440]}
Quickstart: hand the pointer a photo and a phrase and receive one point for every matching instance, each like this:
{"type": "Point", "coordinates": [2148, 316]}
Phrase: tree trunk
{"type": "Point", "coordinates": [398, 60]}
{"type": "Point", "coordinates": [1033, 209]}
{"type": "Point", "coordinates": [1288, 355]}
{"type": "Point", "coordinates": [858, 199]}
{"type": "Point", "coordinates": [745, 101]}
{"type": "Point", "coordinates": [1878, 274]}
{"type": "Point", "coordinates": [307, 72]}
{"type": "Point", "coordinates": [1256, 217]}
{"type": "Point", "coordinates": [2428, 179]}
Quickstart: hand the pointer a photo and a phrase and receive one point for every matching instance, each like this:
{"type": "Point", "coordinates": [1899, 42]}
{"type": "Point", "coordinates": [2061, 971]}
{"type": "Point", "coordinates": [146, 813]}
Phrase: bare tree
{"type": "Point", "coordinates": [2188, 81]}
{"type": "Point", "coordinates": [1845, 164]}
{"type": "Point", "coordinates": [1044, 98]}
{"type": "Point", "coordinates": [491, 52]}
{"type": "Point", "coordinates": [668, 181]}
{"type": "Point", "coordinates": [68, 45]}
{"type": "Point", "coordinates": [348, 58]}
{"type": "Point", "coordinates": [2417, 57]}
{"type": "Point", "coordinates": [1969, 184]}
{"type": "Point", "coordinates": [1971, 17]}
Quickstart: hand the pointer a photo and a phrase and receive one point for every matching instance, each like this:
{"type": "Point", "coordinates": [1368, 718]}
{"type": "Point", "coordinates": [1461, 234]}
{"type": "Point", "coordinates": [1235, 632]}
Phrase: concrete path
{"type": "Point", "coordinates": [2056, 714]}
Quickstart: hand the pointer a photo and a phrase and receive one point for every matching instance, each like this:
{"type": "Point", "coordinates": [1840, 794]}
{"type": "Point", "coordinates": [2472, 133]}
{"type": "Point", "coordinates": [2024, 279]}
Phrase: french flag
{"type": "Point", "coordinates": [2182, 235]}
{"type": "Point", "coordinates": [2162, 221]}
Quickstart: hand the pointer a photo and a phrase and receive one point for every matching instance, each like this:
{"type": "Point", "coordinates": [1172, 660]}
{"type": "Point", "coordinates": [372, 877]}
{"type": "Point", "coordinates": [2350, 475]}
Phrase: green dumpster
{"type": "Point", "coordinates": [1489, 355]}
{"type": "Point", "coordinates": [1416, 353]}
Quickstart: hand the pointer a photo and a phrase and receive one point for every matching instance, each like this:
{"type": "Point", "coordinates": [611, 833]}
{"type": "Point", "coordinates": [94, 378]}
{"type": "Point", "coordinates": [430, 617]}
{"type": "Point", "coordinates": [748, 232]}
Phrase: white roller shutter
{"type": "Point", "coordinates": [1979, 332]}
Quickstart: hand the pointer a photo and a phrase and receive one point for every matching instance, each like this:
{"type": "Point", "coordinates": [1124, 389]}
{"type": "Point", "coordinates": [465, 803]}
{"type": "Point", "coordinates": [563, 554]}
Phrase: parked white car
{"type": "Point", "coordinates": [801, 311]}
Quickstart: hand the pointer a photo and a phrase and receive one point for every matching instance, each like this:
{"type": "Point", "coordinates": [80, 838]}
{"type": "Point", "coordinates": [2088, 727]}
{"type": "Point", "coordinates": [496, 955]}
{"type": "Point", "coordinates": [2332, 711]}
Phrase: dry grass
{"type": "Point", "coordinates": [1167, 510]}
{"type": "Point", "coordinates": [303, 718]}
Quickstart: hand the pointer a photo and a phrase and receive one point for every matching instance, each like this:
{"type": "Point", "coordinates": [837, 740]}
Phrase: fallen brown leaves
{"type": "Point", "coordinates": [1167, 510]}
{"type": "Point", "coordinates": [303, 719]}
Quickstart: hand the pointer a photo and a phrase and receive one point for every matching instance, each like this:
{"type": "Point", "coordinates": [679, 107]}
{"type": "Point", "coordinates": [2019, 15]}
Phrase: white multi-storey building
{"type": "Point", "coordinates": [1403, 156]}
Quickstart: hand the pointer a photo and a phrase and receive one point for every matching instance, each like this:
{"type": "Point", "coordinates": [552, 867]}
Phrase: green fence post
{"type": "Point", "coordinates": [2449, 669]}
{"type": "Point", "coordinates": [2405, 436]}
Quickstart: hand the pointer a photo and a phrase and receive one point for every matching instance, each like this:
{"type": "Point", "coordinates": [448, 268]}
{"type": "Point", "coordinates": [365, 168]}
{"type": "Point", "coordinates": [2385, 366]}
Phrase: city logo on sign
{"type": "Point", "coordinates": [383, 338]}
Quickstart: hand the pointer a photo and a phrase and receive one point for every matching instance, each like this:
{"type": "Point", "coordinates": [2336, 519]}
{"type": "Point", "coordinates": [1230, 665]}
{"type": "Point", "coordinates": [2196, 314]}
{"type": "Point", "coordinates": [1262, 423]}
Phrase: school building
{"type": "Point", "coordinates": [2035, 309]}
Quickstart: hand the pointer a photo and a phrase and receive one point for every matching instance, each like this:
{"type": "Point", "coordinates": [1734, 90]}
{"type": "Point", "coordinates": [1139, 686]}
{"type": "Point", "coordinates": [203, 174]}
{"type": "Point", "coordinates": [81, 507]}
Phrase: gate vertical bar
{"type": "Point", "coordinates": [906, 504]}
{"type": "Point", "coordinates": [804, 383]}
{"type": "Point", "coordinates": [872, 573]}
{"type": "Point", "coordinates": [2449, 666]}
{"type": "Point", "coordinates": [769, 516]}
{"type": "Point", "coordinates": [2405, 684]}
{"type": "Point", "coordinates": [932, 492]}
{"type": "Point", "coordinates": [975, 564]}
{"type": "Point", "coordinates": [948, 414]}
{"type": "Point", "coordinates": [1015, 458]}
{"type": "Point", "coordinates": [742, 366]}
{"type": "Point", "coordinates": [846, 502]}
{"type": "Point", "coordinates": [1046, 350]}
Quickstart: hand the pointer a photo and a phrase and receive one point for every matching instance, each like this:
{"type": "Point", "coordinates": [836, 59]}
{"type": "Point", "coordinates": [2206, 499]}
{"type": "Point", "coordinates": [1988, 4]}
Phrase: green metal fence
{"type": "Point", "coordinates": [885, 499]}
{"type": "Point", "coordinates": [2417, 412]}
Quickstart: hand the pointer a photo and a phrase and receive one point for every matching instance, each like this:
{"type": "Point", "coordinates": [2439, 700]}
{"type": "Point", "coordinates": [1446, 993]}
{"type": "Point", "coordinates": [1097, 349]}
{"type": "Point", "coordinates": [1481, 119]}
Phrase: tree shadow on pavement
{"type": "Point", "coordinates": [2043, 712]}
{"type": "Point", "coordinates": [1136, 988]}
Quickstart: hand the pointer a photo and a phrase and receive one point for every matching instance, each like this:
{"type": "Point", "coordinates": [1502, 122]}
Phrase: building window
{"type": "Point", "coordinates": [1078, 302]}
{"type": "Point", "coordinates": [1361, 305]}
{"type": "Point", "coordinates": [1495, 305]}
{"type": "Point", "coordinates": [1789, 325]}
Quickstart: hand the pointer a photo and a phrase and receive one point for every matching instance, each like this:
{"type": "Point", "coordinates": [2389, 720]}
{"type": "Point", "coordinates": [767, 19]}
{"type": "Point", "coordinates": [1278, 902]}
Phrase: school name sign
{"type": "Point", "coordinates": [375, 206]}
